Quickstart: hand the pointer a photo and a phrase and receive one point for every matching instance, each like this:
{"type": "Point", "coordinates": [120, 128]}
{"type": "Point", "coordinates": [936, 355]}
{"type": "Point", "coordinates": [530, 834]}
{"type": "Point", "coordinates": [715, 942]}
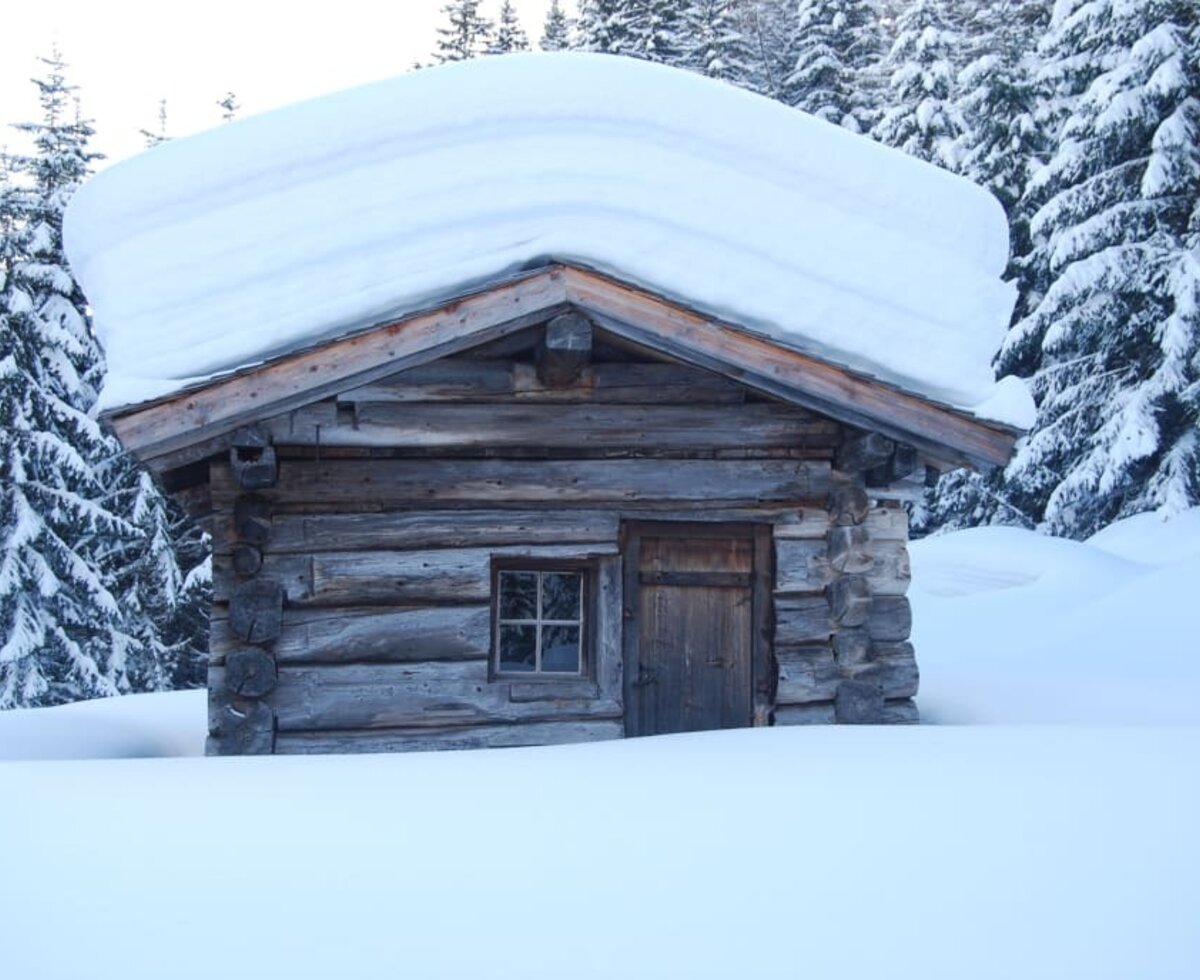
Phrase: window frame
{"type": "Point", "coordinates": [586, 570]}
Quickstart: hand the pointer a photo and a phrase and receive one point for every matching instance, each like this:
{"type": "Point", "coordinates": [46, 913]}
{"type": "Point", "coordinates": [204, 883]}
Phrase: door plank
{"type": "Point", "coordinates": [693, 615]}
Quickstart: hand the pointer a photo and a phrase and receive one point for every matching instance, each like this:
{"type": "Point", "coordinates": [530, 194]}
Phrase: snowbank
{"type": "Point", "coordinates": [933, 852]}
{"type": "Point", "coordinates": [134, 727]}
{"type": "Point", "coordinates": [1013, 627]}
{"type": "Point", "coordinates": [215, 251]}
{"type": "Point", "coordinates": [910, 853]}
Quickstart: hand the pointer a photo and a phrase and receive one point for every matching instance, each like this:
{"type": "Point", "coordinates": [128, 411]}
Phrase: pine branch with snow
{"type": "Point", "coordinates": [556, 31]}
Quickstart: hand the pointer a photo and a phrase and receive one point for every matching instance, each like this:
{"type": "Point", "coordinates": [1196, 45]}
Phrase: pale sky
{"type": "Point", "coordinates": [126, 55]}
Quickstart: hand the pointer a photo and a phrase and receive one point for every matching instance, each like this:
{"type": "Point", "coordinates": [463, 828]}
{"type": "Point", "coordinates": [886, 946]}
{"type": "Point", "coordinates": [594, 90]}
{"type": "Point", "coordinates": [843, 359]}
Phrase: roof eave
{"type": "Point", "coordinates": [196, 422]}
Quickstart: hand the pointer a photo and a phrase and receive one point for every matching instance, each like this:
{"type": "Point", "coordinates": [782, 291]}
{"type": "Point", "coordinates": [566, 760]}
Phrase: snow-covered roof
{"type": "Point", "coordinates": [213, 252]}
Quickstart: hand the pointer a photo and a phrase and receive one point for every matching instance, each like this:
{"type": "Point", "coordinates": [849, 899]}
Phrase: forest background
{"type": "Point", "coordinates": [1081, 116]}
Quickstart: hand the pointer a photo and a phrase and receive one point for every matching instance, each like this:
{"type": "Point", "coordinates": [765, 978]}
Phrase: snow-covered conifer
{"type": "Point", "coordinates": [154, 137]}
{"type": "Point", "coordinates": [510, 35]}
{"type": "Point", "coordinates": [837, 43]}
{"type": "Point", "coordinates": [1002, 141]}
{"type": "Point", "coordinates": [67, 628]}
{"type": "Point", "coordinates": [919, 115]}
{"type": "Point", "coordinates": [465, 34]}
{"type": "Point", "coordinates": [657, 30]}
{"type": "Point", "coordinates": [1111, 338]}
{"type": "Point", "coordinates": [61, 634]}
{"type": "Point", "coordinates": [768, 29]}
{"type": "Point", "coordinates": [229, 106]}
{"type": "Point", "coordinates": [711, 44]}
{"type": "Point", "coordinates": [556, 32]}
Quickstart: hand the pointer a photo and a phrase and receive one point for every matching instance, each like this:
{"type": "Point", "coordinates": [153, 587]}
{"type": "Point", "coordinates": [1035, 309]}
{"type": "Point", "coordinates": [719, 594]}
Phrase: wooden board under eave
{"type": "Point", "coordinates": [496, 427]}
{"type": "Point", "coordinates": [387, 483]}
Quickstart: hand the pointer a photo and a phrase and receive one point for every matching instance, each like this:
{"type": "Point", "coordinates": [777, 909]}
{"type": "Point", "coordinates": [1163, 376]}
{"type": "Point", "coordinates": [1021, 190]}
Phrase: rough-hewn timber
{"type": "Point", "coordinates": [381, 565]}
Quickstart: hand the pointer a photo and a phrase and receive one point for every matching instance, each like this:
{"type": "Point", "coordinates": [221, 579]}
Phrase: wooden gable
{"type": "Point", "coordinates": [199, 422]}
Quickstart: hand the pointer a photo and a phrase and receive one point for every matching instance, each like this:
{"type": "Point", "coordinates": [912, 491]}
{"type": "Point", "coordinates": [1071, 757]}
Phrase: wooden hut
{"type": "Point", "coordinates": [547, 398]}
{"type": "Point", "coordinates": [558, 508]}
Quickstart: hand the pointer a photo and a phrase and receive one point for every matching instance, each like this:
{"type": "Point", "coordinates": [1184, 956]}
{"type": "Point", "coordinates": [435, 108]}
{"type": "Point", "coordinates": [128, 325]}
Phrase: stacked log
{"type": "Point", "coordinates": [240, 722]}
{"type": "Point", "coordinates": [842, 619]}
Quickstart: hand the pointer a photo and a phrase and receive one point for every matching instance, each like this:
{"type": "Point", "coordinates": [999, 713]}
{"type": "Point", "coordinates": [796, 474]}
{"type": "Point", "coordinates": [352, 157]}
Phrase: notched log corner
{"type": "Point", "coordinates": [250, 673]}
{"type": "Point", "coordinates": [247, 560]}
{"type": "Point", "coordinates": [565, 350]}
{"type": "Point", "coordinates": [252, 459]}
{"type": "Point", "coordinates": [849, 505]}
{"type": "Point", "coordinates": [859, 702]}
{"type": "Point", "coordinates": [242, 728]}
{"type": "Point", "coordinates": [850, 600]}
{"type": "Point", "coordinates": [256, 611]}
{"type": "Point", "coordinates": [252, 518]}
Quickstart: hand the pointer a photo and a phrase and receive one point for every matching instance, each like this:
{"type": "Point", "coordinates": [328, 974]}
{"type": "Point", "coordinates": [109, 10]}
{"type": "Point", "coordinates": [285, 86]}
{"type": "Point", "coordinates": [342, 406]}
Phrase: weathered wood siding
{"type": "Point", "coordinates": [353, 592]}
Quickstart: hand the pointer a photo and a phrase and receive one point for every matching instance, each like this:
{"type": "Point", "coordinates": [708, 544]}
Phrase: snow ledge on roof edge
{"type": "Point", "coordinates": [274, 232]}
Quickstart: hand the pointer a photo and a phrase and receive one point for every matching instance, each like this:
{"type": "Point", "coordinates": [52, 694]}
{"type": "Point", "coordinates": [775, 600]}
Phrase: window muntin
{"type": "Point", "coordinates": [539, 622]}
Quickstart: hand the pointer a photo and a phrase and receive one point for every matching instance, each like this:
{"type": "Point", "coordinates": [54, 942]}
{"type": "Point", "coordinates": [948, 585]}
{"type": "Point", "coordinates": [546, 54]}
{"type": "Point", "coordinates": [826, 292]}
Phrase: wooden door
{"type": "Point", "coordinates": [693, 605]}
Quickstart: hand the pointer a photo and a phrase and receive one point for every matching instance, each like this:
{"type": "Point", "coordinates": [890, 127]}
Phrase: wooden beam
{"type": "Point", "coordinates": [941, 432]}
{"type": "Point", "coordinates": [566, 348]}
{"type": "Point", "coordinates": [466, 426]}
{"type": "Point", "coordinates": [385, 483]}
{"type": "Point", "coordinates": [447, 739]}
{"type": "Point", "coordinates": [222, 405]}
{"type": "Point", "coordinates": [631, 383]}
{"type": "Point", "coordinates": [370, 633]}
{"type": "Point", "coordinates": [416, 695]}
{"type": "Point", "coordinates": [405, 530]}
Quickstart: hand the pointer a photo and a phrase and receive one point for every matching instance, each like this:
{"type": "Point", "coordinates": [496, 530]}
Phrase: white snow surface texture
{"type": "Point", "coordinates": [213, 252]}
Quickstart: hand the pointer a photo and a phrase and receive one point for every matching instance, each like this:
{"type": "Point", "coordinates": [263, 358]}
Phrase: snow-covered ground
{"type": "Point", "coordinates": [1056, 841]}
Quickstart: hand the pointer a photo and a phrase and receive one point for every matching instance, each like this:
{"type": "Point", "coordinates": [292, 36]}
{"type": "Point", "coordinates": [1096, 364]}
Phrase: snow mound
{"type": "Point", "coordinates": [1012, 626]}
{"type": "Point", "coordinates": [138, 726]}
{"type": "Point", "coordinates": [213, 252]}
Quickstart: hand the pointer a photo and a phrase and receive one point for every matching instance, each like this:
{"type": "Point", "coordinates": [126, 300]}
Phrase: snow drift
{"type": "Point", "coordinates": [1038, 851]}
{"type": "Point", "coordinates": [213, 252]}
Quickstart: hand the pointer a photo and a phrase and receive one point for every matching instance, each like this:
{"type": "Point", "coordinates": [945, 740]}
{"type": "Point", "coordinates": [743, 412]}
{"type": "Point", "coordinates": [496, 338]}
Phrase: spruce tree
{"type": "Point", "coordinates": [229, 106]}
{"type": "Point", "coordinates": [510, 35]}
{"type": "Point", "coordinates": [71, 541]}
{"type": "Point", "coordinates": [711, 43]}
{"type": "Point", "coordinates": [465, 34]}
{"type": "Point", "coordinates": [61, 634]}
{"type": "Point", "coordinates": [606, 26]}
{"type": "Point", "coordinates": [837, 43]}
{"type": "Point", "coordinates": [919, 115]}
{"type": "Point", "coordinates": [556, 33]}
{"type": "Point", "coordinates": [657, 30]}
{"type": "Point", "coordinates": [1111, 338]}
{"type": "Point", "coordinates": [154, 137]}
{"type": "Point", "coordinates": [1002, 141]}
{"type": "Point", "coordinates": [768, 29]}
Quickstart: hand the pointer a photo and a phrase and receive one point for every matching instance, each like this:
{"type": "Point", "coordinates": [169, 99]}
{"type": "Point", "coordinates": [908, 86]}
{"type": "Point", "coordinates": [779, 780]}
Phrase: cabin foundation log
{"type": "Point", "coordinates": [446, 739]}
{"type": "Point", "coordinates": [416, 695]}
{"type": "Point", "coordinates": [250, 672]}
{"type": "Point", "coordinates": [901, 711]}
{"type": "Point", "coordinates": [238, 726]}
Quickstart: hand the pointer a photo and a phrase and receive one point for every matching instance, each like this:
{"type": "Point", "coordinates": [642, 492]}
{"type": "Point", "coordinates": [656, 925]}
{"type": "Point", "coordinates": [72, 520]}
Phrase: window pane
{"type": "Point", "coordinates": [560, 649]}
{"type": "Point", "coordinates": [518, 647]}
{"type": "Point", "coordinates": [518, 595]}
{"type": "Point", "coordinates": [561, 592]}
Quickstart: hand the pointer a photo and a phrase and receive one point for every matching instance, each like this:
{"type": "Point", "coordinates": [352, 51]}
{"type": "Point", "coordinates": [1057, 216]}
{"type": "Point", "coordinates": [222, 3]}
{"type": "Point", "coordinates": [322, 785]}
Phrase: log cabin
{"type": "Point", "coordinates": [584, 496]}
{"type": "Point", "coordinates": [557, 508]}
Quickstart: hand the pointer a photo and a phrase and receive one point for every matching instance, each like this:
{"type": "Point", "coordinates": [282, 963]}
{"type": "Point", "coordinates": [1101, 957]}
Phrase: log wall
{"type": "Point", "coordinates": [354, 540]}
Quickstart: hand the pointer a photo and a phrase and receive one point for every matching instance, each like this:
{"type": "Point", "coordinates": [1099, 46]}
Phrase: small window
{"type": "Point", "coordinates": [540, 621]}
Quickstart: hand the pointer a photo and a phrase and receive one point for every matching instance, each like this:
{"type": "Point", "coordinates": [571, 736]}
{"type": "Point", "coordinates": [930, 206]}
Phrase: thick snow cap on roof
{"type": "Point", "coordinates": [213, 252]}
